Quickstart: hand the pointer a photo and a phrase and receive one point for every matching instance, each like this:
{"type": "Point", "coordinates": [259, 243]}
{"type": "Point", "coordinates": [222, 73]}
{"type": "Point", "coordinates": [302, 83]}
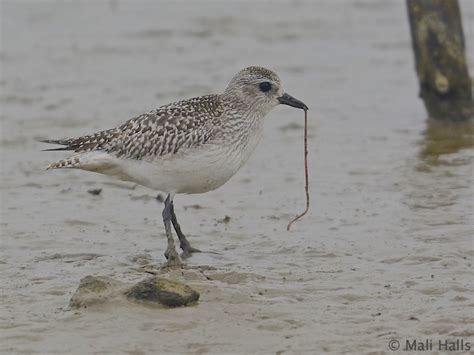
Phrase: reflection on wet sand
{"type": "Point", "coordinates": [441, 184]}
{"type": "Point", "coordinates": [441, 138]}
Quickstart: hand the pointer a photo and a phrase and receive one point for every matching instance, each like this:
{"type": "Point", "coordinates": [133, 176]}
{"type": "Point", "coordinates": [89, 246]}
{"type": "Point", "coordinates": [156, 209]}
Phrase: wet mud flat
{"type": "Point", "coordinates": [385, 253]}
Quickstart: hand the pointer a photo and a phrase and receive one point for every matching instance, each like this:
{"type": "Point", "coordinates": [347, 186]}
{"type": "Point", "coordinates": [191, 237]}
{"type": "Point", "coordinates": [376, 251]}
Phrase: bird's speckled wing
{"type": "Point", "coordinates": [166, 130]}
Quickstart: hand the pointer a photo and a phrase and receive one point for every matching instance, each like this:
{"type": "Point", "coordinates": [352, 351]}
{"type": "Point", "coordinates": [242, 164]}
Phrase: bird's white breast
{"type": "Point", "coordinates": [193, 170]}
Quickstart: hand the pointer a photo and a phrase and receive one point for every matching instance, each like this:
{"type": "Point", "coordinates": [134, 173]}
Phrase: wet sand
{"type": "Point", "coordinates": [385, 252]}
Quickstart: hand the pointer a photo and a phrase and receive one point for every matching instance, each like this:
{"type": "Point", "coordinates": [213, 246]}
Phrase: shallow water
{"type": "Point", "coordinates": [385, 252]}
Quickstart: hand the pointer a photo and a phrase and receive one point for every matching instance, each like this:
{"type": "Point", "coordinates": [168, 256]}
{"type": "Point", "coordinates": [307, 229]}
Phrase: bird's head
{"type": "Point", "coordinates": [259, 89]}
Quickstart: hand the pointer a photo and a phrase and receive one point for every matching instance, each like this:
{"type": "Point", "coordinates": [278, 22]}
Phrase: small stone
{"type": "Point", "coordinates": [164, 292]}
{"type": "Point", "coordinates": [93, 290]}
{"type": "Point", "coordinates": [194, 207]}
{"type": "Point", "coordinates": [95, 192]}
{"type": "Point", "coordinates": [225, 220]}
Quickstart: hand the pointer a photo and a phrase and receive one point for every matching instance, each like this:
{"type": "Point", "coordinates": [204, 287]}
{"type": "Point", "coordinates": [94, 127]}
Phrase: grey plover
{"type": "Point", "coordinates": [190, 146]}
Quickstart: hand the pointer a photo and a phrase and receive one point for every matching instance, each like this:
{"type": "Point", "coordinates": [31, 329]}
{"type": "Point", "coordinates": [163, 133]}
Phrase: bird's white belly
{"type": "Point", "coordinates": [194, 170]}
{"type": "Point", "coordinates": [198, 171]}
{"type": "Point", "coordinates": [189, 171]}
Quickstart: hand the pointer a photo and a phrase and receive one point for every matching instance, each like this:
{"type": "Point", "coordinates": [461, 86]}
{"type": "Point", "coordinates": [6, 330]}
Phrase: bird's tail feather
{"type": "Point", "coordinates": [71, 162]}
{"type": "Point", "coordinates": [65, 142]}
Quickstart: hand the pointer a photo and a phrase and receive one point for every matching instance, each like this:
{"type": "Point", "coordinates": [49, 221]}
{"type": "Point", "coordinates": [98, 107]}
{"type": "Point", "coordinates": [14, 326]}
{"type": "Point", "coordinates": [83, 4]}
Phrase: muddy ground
{"type": "Point", "coordinates": [385, 253]}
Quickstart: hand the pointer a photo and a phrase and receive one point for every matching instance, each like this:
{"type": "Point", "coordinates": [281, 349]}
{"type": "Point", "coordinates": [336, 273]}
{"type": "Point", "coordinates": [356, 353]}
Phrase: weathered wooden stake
{"type": "Point", "coordinates": [438, 43]}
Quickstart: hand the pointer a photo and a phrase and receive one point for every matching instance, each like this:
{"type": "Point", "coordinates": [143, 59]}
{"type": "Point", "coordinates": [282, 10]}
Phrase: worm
{"type": "Point", "coordinates": [306, 175]}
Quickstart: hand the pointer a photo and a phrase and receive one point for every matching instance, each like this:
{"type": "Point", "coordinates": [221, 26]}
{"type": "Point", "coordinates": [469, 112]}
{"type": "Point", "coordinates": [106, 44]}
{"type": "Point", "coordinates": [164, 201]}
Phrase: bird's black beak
{"type": "Point", "coordinates": [289, 100]}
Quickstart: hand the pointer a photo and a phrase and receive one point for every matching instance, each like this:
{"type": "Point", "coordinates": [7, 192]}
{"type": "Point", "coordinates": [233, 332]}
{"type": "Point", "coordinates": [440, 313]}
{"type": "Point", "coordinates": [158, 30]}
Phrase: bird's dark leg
{"type": "Point", "coordinates": [171, 254]}
{"type": "Point", "coordinates": [183, 242]}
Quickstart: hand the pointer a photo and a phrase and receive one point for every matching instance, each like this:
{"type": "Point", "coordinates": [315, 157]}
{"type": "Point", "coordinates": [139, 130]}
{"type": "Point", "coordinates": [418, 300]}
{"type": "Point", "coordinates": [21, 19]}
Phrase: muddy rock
{"type": "Point", "coordinates": [156, 290]}
{"type": "Point", "coordinates": [93, 290]}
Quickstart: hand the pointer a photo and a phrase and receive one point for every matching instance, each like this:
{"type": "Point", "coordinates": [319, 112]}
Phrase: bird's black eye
{"type": "Point", "coordinates": [265, 86]}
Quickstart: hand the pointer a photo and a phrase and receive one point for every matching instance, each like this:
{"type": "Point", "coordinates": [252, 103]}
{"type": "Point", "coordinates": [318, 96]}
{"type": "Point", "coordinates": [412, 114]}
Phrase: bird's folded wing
{"type": "Point", "coordinates": [163, 131]}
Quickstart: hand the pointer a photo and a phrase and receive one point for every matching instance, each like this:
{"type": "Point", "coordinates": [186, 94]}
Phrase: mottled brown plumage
{"type": "Point", "coordinates": [159, 132]}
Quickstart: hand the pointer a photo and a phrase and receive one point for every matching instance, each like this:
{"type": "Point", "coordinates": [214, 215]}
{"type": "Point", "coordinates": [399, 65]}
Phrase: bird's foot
{"type": "Point", "coordinates": [174, 259]}
{"type": "Point", "coordinates": [188, 250]}
{"type": "Point", "coordinates": [173, 264]}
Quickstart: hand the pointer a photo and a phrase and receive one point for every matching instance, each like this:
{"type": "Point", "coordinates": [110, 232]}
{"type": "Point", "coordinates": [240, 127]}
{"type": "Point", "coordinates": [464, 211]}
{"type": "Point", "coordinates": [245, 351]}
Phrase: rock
{"type": "Point", "coordinates": [95, 192]}
{"type": "Point", "coordinates": [94, 290]}
{"type": "Point", "coordinates": [225, 220]}
{"type": "Point", "coordinates": [156, 290]}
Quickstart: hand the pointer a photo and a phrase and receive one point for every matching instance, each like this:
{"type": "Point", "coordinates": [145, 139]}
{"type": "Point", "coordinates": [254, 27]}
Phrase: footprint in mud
{"type": "Point", "coordinates": [233, 278]}
{"type": "Point", "coordinates": [410, 283]}
{"type": "Point", "coordinates": [459, 299]}
{"type": "Point", "coordinates": [273, 324]}
{"type": "Point", "coordinates": [187, 275]}
{"type": "Point", "coordinates": [421, 259]}
{"type": "Point", "coordinates": [319, 254]}
{"type": "Point", "coordinates": [287, 250]}
{"type": "Point", "coordinates": [54, 292]}
{"type": "Point", "coordinates": [433, 291]}
{"type": "Point", "coordinates": [351, 297]}
{"type": "Point", "coordinates": [78, 222]}
{"type": "Point", "coordinates": [438, 329]}
{"type": "Point", "coordinates": [466, 333]}
{"type": "Point", "coordinates": [70, 258]}
{"type": "Point", "coordinates": [141, 259]}
{"type": "Point", "coordinates": [392, 260]}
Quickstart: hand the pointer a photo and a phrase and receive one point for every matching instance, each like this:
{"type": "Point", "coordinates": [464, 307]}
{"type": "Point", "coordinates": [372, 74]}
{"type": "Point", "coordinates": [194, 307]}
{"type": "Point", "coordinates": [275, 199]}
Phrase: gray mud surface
{"type": "Point", "coordinates": [385, 252]}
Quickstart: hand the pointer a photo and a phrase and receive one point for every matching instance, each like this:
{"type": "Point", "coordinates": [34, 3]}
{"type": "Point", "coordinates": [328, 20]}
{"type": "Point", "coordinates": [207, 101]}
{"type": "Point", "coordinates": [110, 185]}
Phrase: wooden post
{"type": "Point", "coordinates": [438, 43]}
